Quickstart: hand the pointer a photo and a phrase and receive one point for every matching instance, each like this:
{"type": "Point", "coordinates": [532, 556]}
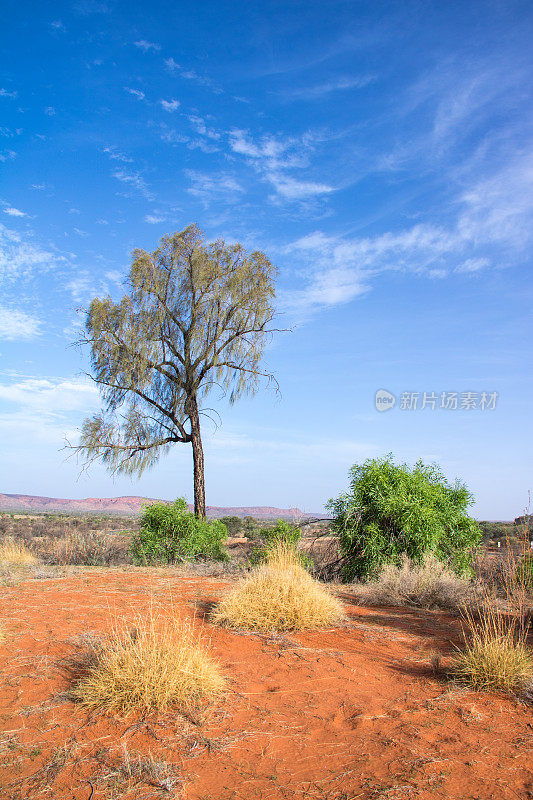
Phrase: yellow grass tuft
{"type": "Point", "coordinates": [155, 665]}
{"type": "Point", "coordinates": [495, 661]}
{"type": "Point", "coordinates": [2, 633]}
{"type": "Point", "coordinates": [14, 553]}
{"type": "Point", "coordinates": [279, 595]}
{"type": "Point", "coordinates": [495, 655]}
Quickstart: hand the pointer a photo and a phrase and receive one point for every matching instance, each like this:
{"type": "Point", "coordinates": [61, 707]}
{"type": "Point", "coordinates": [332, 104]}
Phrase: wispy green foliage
{"type": "Point", "coordinates": [282, 532]}
{"type": "Point", "coordinates": [169, 532]}
{"type": "Point", "coordinates": [391, 511]}
{"type": "Point", "coordinates": [195, 315]}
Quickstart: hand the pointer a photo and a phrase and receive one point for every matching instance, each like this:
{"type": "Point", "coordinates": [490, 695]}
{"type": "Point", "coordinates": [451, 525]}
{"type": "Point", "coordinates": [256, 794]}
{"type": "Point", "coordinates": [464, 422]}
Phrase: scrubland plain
{"type": "Point", "coordinates": [365, 706]}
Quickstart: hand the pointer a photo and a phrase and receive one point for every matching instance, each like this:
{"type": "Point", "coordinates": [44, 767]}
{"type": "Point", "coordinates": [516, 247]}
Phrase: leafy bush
{"type": "Point", "coordinates": [169, 532]}
{"type": "Point", "coordinates": [426, 585]}
{"type": "Point", "coordinates": [283, 533]}
{"type": "Point", "coordinates": [250, 527]}
{"type": "Point", "coordinates": [391, 511]}
{"type": "Point", "coordinates": [497, 531]}
{"type": "Point", "coordinates": [233, 524]}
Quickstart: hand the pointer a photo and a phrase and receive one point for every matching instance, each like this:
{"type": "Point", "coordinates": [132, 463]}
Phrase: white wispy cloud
{"type": "Point", "coordinates": [335, 85]}
{"type": "Point", "coordinates": [208, 187]}
{"type": "Point", "coordinates": [50, 111]}
{"type": "Point", "coordinates": [140, 95]}
{"type": "Point", "coordinates": [145, 46]}
{"type": "Point", "coordinates": [50, 395]}
{"type": "Point", "coordinates": [200, 125]}
{"type": "Point", "coordinates": [170, 105]}
{"type": "Point", "coordinates": [6, 93]}
{"type": "Point", "coordinates": [154, 219]}
{"type": "Point", "coordinates": [273, 156]}
{"type": "Point", "coordinates": [498, 208]}
{"type": "Point", "coordinates": [135, 181]}
{"type": "Point", "coordinates": [44, 410]}
{"type": "Point", "coordinates": [292, 189]}
{"type": "Point", "coordinates": [232, 447]}
{"type": "Point", "coordinates": [13, 212]}
{"type": "Point", "coordinates": [191, 75]}
{"type": "Point", "coordinates": [116, 155]}
{"type": "Point", "coordinates": [20, 256]}
{"type": "Point", "coordinates": [7, 155]}
{"type": "Point", "coordinates": [473, 265]}
{"type": "Point", "coordinates": [16, 324]}
{"type": "Point", "coordinates": [493, 224]}
{"type": "Point", "coordinates": [173, 136]}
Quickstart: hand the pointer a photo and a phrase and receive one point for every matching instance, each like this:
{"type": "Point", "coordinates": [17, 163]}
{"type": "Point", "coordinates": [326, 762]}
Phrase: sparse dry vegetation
{"type": "Point", "coordinates": [14, 553]}
{"type": "Point", "coordinates": [496, 624]}
{"type": "Point", "coordinates": [429, 584]}
{"type": "Point", "coordinates": [495, 656]}
{"type": "Point", "coordinates": [154, 665]}
{"type": "Point", "coordinates": [279, 595]}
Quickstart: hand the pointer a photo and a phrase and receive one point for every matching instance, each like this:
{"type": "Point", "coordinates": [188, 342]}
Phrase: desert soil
{"type": "Point", "coordinates": [356, 712]}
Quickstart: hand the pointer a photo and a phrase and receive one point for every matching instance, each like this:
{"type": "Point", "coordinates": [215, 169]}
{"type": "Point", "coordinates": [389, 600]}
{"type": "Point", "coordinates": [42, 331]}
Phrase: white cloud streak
{"type": "Point", "coordinates": [145, 46]}
{"type": "Point", "coordinates": [16, 325]}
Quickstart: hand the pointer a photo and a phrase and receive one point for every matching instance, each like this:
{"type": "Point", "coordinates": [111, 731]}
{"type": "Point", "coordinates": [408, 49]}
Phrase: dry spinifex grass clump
{"type": "Point", "coordinates": [279, 595]}
{"type": "Point", "coordinates": [429, 584]}
{"type": "Point", "coordinates": [14, 553]}
{"type": "Point", "coordinates": [496, 655]}
{"type": "Point", "coordinates": [155, 665]}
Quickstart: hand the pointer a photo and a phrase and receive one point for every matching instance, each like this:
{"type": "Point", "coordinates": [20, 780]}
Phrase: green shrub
{"type": "Point", "coordinates": [169, 532]}
{"type": "Point", "coordinates": [250, 528]}
{"type": "Point", "coordinates": [391, 511]}
{"type": "Point", "coordinates": [497, 531]}
{"type": "Point", "coordinates": [282, 533]}
{"type": "Point", "coordinates": [233, 525]}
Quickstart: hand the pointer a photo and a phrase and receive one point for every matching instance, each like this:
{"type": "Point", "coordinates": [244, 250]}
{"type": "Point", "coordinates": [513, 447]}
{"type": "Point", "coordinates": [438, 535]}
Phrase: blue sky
{"type": "Point", "coordinates": [381, 155]}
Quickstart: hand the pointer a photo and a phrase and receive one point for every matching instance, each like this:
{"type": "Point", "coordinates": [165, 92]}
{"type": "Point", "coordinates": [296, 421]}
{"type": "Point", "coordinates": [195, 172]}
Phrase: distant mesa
{"type": "Point", "coordinates": [24, 503]}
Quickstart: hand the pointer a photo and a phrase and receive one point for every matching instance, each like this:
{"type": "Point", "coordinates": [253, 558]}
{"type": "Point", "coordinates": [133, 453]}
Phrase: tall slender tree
{"type": "Point", "coordinates": [194, 315]}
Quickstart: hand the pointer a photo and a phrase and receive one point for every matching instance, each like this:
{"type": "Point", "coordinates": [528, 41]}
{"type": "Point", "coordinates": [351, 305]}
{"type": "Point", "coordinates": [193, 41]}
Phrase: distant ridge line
{"type": "Point", "coordinates": [132, 504]}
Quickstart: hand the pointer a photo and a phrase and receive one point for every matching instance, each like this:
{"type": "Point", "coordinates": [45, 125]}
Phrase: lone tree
{"type": "Point", "coordinates": [194, 315]}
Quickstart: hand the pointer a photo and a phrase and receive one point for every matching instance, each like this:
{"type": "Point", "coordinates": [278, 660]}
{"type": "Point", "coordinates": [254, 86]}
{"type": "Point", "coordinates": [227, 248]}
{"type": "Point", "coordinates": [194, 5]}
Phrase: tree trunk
{"type": "Point", "coordinates": [198, 461]}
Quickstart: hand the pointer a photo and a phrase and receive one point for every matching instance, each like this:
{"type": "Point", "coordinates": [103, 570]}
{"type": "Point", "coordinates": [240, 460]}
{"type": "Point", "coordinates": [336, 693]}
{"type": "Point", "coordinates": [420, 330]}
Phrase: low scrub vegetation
{"type": "Point", "coordinates": [496, 624]}
{"type": "Point", "coordinates": [169, 533]}
{"type": "Point", "coordinates": [429, 584]}
{"type": "Point", "coordinates": [87, 548]}
{"type": "Point", "coordinates": [496, 655]}
{"type": "Point", "coordinates": [391, 511]}
{"type": "Point", "coordinates": [279, 595]}
{"type": "Point", "coordinates": [152, 666]}
{"type": "Point", "coordinates": [14, 553]}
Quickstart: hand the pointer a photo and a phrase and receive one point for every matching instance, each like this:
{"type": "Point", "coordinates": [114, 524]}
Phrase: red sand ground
{"type": "Point", "coordinates": [331, 715]}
